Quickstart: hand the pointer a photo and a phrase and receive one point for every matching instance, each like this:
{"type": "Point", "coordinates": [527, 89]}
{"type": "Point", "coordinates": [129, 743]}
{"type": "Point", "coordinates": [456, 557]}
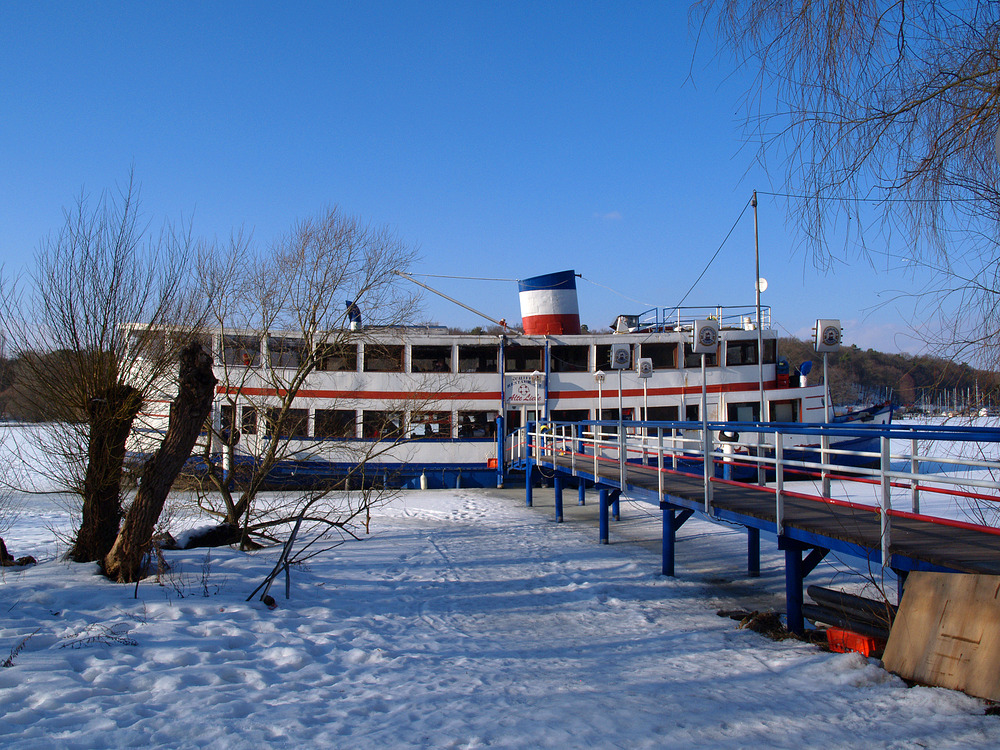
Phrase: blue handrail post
{"type": "Point", "coordinates": [501, 455]}
{"type": "Point", "coordinates": [557, 484]}
{"type": "Point", "coordinates": [529, 469]}
{"type": "Point", "coordinates": [603, 515]}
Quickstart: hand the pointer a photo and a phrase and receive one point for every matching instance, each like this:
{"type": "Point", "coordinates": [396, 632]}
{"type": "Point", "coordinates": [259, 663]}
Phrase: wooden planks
{"type": "Point", "coordinates": [947, 633]}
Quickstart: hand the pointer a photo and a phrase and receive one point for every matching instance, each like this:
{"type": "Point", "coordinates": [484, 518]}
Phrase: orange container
{"type": "Point", "coordinates": [841, 641]}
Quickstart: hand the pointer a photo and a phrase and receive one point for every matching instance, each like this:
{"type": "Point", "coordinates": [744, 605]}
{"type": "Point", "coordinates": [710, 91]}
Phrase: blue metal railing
{"type": "Point", "coordinates": [960, 461]}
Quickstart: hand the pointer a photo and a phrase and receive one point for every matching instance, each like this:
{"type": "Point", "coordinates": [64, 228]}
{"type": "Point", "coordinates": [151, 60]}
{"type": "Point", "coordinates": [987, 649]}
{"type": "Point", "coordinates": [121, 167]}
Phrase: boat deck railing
{"type": "Point", "coordinates": [671, 318]}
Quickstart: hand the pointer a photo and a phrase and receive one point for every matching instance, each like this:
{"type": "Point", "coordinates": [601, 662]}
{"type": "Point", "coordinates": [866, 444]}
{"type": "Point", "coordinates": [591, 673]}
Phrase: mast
{"type": "Point", "coordinates": [760, 322]}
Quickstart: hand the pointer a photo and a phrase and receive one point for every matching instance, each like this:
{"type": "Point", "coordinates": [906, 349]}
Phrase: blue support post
{"type": "Point", "coordinates": [796, 569]}
{"type": "Point", "coordinates": [753, 552]}
{"type": "Point", "coordinates": [900, 583]}
{"type": "Point", "coordinates": [669, 537]}
{"type": "Point", "coordinates": [616, 508]}
{"type": "Point", "coordinates": [672, 521]}
{"type": "Point", "coordinates": [603, 515]}
{"type": "Point", "coordinates": [557, 484]}
{"type": "Point", "coordinates": [793, 588]}
{"type": "Point", "coordinates": [582, 490]}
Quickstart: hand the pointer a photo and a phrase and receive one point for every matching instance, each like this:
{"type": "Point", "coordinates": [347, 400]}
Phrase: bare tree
{"type": "Point", "coordinates": [282, 317]}
{"type": "Point", "coordinates": [885, 112]}
{"type": "Point", "coordinates": [64, 323]}
{"type": "Point", "coordinates": [196, 387]}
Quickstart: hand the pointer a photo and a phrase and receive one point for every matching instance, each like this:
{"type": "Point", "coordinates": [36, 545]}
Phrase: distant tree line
{"type": "Point", "coordinates": [865, 375]}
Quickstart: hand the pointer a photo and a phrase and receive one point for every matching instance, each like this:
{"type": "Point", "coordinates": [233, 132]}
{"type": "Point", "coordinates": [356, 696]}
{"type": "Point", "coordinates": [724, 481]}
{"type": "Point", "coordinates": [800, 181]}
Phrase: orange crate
{"type": "Point", "coordinates": [841, 641]}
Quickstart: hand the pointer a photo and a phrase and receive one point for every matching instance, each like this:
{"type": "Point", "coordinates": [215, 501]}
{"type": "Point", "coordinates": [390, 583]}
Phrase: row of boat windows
{"type": "Point", "coordinates": [289, 353]}
{"type": "Point", "coordinates": [443, 425]}
{"type": "Point", "coordinates": [778, 411]}
{"type": "Point", "coordinates": [365, 423]}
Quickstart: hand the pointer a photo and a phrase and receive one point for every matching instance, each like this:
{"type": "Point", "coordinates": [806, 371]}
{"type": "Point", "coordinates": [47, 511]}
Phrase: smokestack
{"type": "Point", "coordinates": [549, 305]}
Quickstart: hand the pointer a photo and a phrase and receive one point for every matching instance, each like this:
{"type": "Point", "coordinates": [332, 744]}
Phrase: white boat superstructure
{"type": "Point", "coordinates": [425, 405]}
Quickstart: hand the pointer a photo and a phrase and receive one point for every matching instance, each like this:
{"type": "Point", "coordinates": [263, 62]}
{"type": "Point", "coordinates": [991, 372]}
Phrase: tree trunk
{"type": "Point", "coordinates": [111, 416]}
{"type": "Point", "coordinates": [187, 418]}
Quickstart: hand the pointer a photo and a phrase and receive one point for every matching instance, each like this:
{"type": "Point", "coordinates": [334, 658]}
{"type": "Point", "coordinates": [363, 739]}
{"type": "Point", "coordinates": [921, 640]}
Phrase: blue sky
{"type": "Point", "coordinates": [502, 140]}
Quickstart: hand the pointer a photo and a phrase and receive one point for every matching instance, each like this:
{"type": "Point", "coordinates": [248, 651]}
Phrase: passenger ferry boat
{"type": "Point", "coordinates": [432, 409]}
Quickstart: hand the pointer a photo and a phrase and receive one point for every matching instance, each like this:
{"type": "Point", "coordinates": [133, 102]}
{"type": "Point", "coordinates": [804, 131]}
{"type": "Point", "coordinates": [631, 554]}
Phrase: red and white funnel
{"type": "Point", "coordinates": [549, 305]}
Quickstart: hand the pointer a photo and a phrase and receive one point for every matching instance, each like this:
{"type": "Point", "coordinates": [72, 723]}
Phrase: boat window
{"type": "Point", "coordinates": [770, 351]}
{"type": "Point", "coordinates": [338, 357]}
{"type": "Point", "coordinates": [430, 359]}
{"type": "Point", "coordinates": [741, 352]}
{"type": "Point", "coordinates": [146, 343]}
{"type": "Point", "coordinates": [611, 415]}
{"type": "Point", "coordinates": [664, 355]}
{"type": "Point", "coordinates": [692, 413]}
{"type": "Point", "coordinates": [523, 358]}
{"type": "Point", "coordinates": [285, 352]}
{"type": "Point", "coordinates": [241, 351]}
{"type": "Point", "coordinates": [570, 415]}
{"type": "Point", "coordinates": [335, 423]}
{"type": "Point", "coordinates": [430, 425]}
{"type": "Point", "coordinates": [295, 424]}
{"type": "Point", "coordinates": [784, 411]}
{"type": "Point", "coordinates": [602, 356]}
{"type": "Point", "coordinates": [513, 421]}
{"type": "Point", "coordinates": [477, 424]}
{"type": "Point", "coordinates": [570, 358]}
{"type": "Point", "coordinates": [478, 358]}
{"type": "Point", "coordinates": [383, 358]}
{"type": "Point", "coordinates": [746, 412]}
{"type": "Point", "coordinates": [663, 413]}
{"type": "Point", "coordinates": [386, 425]}
{"type": "Point", "coordinates": [227, 415]}
{"type": "Point", "coordinates": [249, 421]}
{"type": "Point", "coordinates": [694, 360]}
{"type": "Point", "coordinates": [227, 422]}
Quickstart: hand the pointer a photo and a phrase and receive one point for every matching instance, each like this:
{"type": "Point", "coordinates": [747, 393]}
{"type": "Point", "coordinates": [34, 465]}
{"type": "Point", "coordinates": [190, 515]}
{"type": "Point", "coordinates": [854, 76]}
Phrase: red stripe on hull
{"type": "Point", "coordinates": [363, 395]}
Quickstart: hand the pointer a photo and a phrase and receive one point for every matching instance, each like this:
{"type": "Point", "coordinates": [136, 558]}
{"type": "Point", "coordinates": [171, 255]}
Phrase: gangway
{"type": "Point", "coordinates": [779, 478]}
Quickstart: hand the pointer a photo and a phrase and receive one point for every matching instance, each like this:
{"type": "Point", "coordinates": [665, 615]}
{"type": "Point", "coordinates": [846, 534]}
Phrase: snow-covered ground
{"type": "Point", "coordinates": [463, 620]}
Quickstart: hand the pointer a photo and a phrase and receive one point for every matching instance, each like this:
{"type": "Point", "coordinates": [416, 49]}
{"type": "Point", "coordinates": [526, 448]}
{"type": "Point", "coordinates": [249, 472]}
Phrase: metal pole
{"type": "Point", "coordinates": [760, 320]}
{"type": "Point", "coordinates": [762, 416]}
{"type": "Point", "coordinates": [621, 437]}
{"type": "Point", "coordinates": [886, 490]}
{"type": "Point", "coordinates": [705, 442]}
{"type": "Point", "coordinates": [826, 391]}
{"type": "Point", "coordinates": [645, 418]}
{"type": "Point", "coordinates": [779, 484]}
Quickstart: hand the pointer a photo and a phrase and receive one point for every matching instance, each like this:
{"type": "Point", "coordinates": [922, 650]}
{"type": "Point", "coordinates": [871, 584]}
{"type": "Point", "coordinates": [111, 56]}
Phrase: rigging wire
{"type": "Point", "coordinates": [716, 255]}
{"type": "Point", "coordinates": [615, 291]}
{"type": "Point", "coordinates": [463, 278]}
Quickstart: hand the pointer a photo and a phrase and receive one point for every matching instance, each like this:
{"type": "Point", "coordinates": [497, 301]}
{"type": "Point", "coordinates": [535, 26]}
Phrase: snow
{"type": "Point", "coordinates": [463, 620]}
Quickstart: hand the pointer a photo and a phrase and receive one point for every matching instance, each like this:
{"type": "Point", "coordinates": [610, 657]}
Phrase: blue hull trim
{"type": "Point", "coordinates": [295, 475]}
